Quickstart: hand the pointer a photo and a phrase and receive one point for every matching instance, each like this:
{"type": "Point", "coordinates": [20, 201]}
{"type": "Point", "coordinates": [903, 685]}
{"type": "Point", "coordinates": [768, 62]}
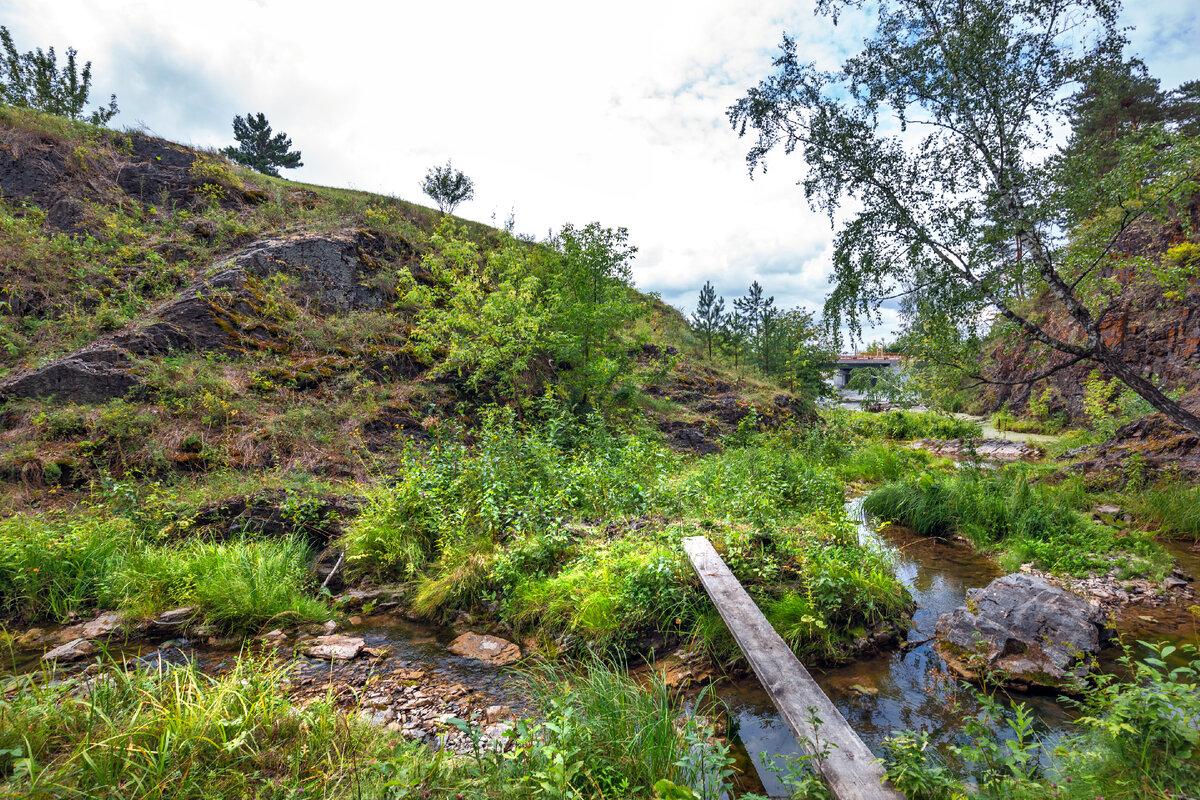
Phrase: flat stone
{"type": "Point", "coordinates": [492, 649]}
{"type": "Point", "coordinates": [103, 626]}
{"type": "Point", "coordinates": [176, 616]}
{"type": "Point", "coordinates": [1106, 508]}
{"type": "Point", "coordinates": [74, 650]}
{"type": "Point", "coordinates": [1024, 627]}
{"type": "Point", "coordinates": [336, 647]}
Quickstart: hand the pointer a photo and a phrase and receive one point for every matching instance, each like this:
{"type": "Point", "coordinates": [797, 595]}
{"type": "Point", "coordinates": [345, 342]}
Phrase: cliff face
{"type": "Point", "coordinates": [1154, 329]}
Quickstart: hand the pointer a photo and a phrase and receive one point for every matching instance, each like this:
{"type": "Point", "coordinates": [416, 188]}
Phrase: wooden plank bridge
{"type": "Point", "coordinates": [850, 768]}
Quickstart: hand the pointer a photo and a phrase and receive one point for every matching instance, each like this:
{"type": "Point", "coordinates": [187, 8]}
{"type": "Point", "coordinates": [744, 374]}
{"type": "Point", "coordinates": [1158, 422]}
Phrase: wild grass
{"type": "Point", "coordinates": [182, 734]}
{"type": "Point", "coordinates": [1174, 509]}
{"type": "Point", "coordinates": [54, 565]}
{"type": "Point", "coordinates": [238, 586]}
{"type": "Point", "coordinates": [1025, 521]}
{"type": "Point", "coordinates": [903, 426]}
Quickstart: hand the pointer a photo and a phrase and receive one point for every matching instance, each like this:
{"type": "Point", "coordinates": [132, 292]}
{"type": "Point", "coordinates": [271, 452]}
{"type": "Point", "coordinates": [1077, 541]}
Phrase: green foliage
{"type": "Point", "coordinates": [1005, 510]}
{"type": "Point", "coordinates": [448, 187]}
{"type": "Point", "coordinates": [1138, 737]}
{"type": "Point", "coordinates": [485, 316]}
{"type": "Point", "coordinates": [903, 426]}
{"type": "Point", "coordinates": [180, 734]}
{"type": "Point", "coordinates": [258, 149]}
{"type": "Point", "coordinates": [33, 80]}
{"type": "Point", "coordinates": [53, 565]}
{"type": "Point", "coordinates": [593, 301]}
{"type": "Point", "coordinates": [707, 318]}
{"type": "Point", "coordinates": [1173, 508]}
{"type": "Point", "coordinates": [238, 586]}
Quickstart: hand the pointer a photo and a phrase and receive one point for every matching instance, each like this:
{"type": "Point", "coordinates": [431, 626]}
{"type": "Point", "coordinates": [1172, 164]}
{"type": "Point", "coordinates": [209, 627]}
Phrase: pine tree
{"type": "Point", "coordinates": [258, 149]}
{"type": "Point", "coordinates": [734, 333]}
{"type": "Point", "coordinates": [758, 311]}
{"type": "Point", "coordinates": [709, 316]}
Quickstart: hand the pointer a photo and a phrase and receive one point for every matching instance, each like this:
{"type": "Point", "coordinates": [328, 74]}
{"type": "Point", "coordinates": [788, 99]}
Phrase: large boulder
{"type": "Point", "coordinates": [74, 650]}
{"type": "Point", "coordinates": [1026, 629]}
{"type": "Point", "coordinates": [492, 649]}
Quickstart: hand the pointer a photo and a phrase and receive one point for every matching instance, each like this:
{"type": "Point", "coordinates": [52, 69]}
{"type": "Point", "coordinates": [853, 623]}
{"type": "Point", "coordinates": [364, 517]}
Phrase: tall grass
{"type": "Point", "coordinates": [238, 586]}
{"type": "Point", "coordinates": [1173, 509]}
{"type": "Point", "coordinates": [54, 565]}
{"type": "Point", "coordinates": [1007, 511]}
{"type": "Point", "coordinates": [181, 734]}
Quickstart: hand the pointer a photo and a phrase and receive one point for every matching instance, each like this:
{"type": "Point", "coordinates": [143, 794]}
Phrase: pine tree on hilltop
{"type": "Point", "coordinates": [709, 316]}
{"type": "Point", "coordinates": [258, 149]}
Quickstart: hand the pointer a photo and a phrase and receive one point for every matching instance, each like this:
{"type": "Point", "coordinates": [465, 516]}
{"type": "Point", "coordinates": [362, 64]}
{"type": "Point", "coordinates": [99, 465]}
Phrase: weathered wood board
{"type": "Point", "coordinates": [850, 768]}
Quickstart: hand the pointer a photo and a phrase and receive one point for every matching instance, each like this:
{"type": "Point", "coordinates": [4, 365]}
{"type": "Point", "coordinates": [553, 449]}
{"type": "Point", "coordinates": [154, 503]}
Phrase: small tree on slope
{"type": "Point", "coordinates": [448, 187]}
{"type": "Point", "coordinates": [258, 149]}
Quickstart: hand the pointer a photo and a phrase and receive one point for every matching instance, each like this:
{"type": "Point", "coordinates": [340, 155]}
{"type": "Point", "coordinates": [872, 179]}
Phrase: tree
{"type": "Point", "coordinates": [810, 353]}
{"type": "Point", "coordinates": [594, 301]}
{"type": "Point", "coordinates": [33, 80]}
{"type": "Point", "coordinates": [734, 333]}
{"type": "Point", "coordinates": [981, 196]}
{"type": "Point", "coordinates": [709, 315]}
{"type": "Point", "coordinates": [258, 149]}
{"type": "Point", "coordinates": [758, 312]}
{"type": "Point", "coordinates": [448, 187]}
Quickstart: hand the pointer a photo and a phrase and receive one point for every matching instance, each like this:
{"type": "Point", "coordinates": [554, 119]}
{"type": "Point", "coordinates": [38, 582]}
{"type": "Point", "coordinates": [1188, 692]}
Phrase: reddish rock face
{"type": "Point", "coordinates": [1157, 333]}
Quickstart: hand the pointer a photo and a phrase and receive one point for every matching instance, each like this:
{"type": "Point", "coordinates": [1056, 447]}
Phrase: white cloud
{"type": "Point", "coordinates": [564, 112]}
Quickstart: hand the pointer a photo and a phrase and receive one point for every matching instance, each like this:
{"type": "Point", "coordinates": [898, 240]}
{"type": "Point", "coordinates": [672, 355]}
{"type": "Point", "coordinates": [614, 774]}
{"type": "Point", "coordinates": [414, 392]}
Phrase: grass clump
{"type": "Point", "coordinates": [238, 586]}
{"type": "Point", "coordinates": [1174, 509]}
{"type": "Point", "coordinates": [1025, 521]}
{"type": "Point", "coordinates": [181, 734]}
{"type": "Point", "coordinates": [903, 426]}
{"type": "Point", "coordinates": [52, 566]}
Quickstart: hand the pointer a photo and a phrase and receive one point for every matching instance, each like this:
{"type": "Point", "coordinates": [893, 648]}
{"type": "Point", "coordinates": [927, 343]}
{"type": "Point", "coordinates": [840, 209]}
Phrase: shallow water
{"type": "Point", "coordinates": [912, 687]}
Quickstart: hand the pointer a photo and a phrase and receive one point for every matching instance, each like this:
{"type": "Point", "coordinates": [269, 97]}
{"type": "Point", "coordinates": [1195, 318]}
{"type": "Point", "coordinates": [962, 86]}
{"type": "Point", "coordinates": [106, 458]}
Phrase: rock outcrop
{"type": "Point", "coordinates": [222, 313]}
{"type": "Point", "coordinates": [1024, 629]}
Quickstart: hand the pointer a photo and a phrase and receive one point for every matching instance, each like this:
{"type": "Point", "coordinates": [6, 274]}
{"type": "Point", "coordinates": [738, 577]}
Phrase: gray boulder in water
{"type": "Point", "coordinates": [1026, 629]}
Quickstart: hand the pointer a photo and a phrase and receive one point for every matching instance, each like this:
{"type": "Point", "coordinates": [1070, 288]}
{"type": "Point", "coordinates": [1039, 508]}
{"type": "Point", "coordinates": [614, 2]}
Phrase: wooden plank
{"type": "Point", "coordinates": [850, 768]}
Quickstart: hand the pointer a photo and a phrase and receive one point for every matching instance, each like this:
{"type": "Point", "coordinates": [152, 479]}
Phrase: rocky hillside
{"type": "Point", "coordinates": [1153, 324]}
{"type": "Point", "coordinates": [168, 316]}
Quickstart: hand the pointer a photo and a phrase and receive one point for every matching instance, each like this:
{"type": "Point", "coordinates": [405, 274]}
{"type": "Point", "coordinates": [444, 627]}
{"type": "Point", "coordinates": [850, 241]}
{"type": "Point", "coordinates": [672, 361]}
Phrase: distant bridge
{"type": "Point", "coordinates": [848, 362]}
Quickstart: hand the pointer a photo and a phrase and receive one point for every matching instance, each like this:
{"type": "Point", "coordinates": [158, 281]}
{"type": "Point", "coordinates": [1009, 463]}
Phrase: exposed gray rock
{"type": "Point", "coordinates": [984, 449]}
{"type": "Point", "coordinates": [74, 650]}
{"type": "Point", "coordinates": [217, 313]}
{"type": "Point", "coordinates": [1024, 627]}
{"type": "Point", "coordinates": [334, 648]}
{"type": "Point", "coordinates": [492, 649]}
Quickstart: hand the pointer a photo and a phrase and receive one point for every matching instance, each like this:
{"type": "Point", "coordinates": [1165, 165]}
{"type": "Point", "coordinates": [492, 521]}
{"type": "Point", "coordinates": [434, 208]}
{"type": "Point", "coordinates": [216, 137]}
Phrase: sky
{"type": "Point", "coordinates": [561, 112]}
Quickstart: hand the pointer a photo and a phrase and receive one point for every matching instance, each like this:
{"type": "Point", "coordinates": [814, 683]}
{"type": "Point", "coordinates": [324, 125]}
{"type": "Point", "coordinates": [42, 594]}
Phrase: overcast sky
{"type": "Point", "coordinates": [560, 111]}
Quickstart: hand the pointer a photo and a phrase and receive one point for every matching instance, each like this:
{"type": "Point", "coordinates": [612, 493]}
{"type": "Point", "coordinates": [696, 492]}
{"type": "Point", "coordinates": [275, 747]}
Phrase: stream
{"type": "Point", "coordinates": [910, 688]}
{"type": "Point", "coordinates": [905, 688]}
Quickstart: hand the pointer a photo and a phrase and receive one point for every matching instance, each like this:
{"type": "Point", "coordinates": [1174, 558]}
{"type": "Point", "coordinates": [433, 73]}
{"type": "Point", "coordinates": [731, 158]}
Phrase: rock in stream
{"type": "Point", "coordinates": [1024, 627]}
